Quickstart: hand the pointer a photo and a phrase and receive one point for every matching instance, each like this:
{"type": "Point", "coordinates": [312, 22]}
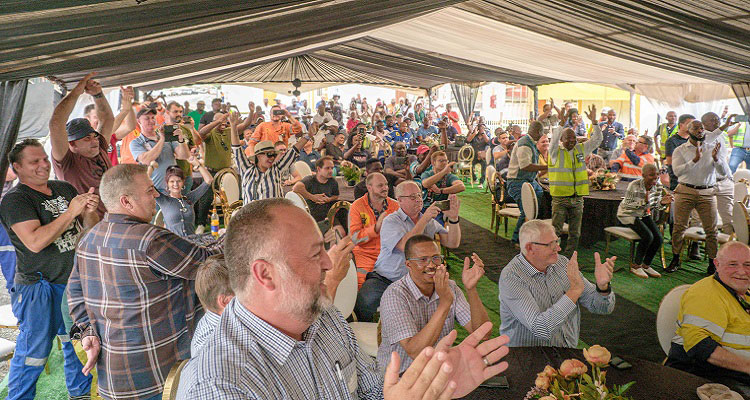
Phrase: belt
{"type": "Point", "coordinates": [722, 179]}
{"type": "Point", "coordinates": [696, 187]}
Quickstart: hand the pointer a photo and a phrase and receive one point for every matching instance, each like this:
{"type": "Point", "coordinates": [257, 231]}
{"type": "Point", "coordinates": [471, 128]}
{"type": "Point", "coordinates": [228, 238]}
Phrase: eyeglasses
{"type": "Point", "coordinates": [412, 197]}
{"type": "Point", "coordinates": [550, 245]}
{"type": "Point", "coordinates": [423, 262]}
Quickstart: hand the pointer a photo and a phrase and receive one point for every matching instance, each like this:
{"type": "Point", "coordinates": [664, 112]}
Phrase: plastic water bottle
{"type": "Point", "coordinates": [215, 224]}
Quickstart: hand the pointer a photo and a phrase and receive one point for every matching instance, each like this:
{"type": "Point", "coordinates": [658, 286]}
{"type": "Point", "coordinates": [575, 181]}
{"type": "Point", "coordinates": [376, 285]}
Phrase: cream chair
{"type": "Point", "coordinates": [172, 383]}
{"type": "Point", "coordinates": [463, 166]}
{"type": "Point", "coordinates": [530, 205]}
{"type": "Point", "coordinates": [489, 174]}
{"type": "Point", "coordinates": [302, 168]}
{"type": "Point", "coordinates": [297, 200]}
{"type": "Point", "coordinates": [741, 222]}
{"type": "Point", "coordinates": [502, 210]}
{"type": "Point", "coordinates": [159, 219]}
{"type": "Point", "coordinates": [666, 317]}
{"type": "Point", "coordinates": [346, 296]}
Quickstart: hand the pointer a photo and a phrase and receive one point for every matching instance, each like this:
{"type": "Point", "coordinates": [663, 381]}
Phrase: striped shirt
{"type": "Point", "coordinates": [132, 283]}
{"type": "Point", "coordinates": [405, 311]}
{"type": "Point", "coordinates": [634, 205]}
{"type": "Point", "coordinates": [205, 328]}
{"type": "Point", "coordinates": [534, 309]}
{"type": "Point", "coordinates": [247, 358]}
{"type": "Point", "coordinates": [257, 185]}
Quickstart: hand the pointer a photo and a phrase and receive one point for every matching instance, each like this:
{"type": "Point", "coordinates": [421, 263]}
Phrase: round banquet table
{"type": "Point", "coordinates": [599, 212]}
{"type": "Point", "coordinates": [652, 381]}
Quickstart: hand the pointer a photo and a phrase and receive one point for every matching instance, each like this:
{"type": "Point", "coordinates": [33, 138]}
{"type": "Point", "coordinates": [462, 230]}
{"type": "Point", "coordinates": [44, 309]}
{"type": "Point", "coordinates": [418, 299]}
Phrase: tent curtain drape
{"type": "Point", "coordinates": [466, 97]}
{"type": "Point", "coordinates": [12, 96]}
{"type": "Point", "coordinates": [742, 91]}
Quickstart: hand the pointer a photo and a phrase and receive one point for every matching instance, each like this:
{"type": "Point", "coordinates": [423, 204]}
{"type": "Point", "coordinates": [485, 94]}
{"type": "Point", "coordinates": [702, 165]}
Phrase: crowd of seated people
{"type": "Point", "coordinates": [252, 309]}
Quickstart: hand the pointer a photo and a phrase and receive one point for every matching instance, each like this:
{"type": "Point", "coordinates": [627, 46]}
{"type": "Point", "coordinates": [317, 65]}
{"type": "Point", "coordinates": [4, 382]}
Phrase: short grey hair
{"type": "Point", "coordinates": [402, 186]}
{"type": "Point", "coordinates": [252, 235]}
{"type": "Point", "coordinates": [117, 182]}
{"type": "Point", "coordinates": [531, 230]}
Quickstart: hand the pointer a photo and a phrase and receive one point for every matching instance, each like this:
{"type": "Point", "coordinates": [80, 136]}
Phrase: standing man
{"type": "Point", "coordinates": [452, 117]}
{"type": "Point", "coordinates": [421, 308]}
{"type": "Point", "coordinates": [696, 164]}
{"type": "Point", "coordinates": [131, 292]}
{"type": "Point", "coordinates": [740, 138]}
{"type": "Point", "coordinates": [216, 137]}
{"type": "Point", "coordinates": [274, 130]}
{"type": "Point", "coordinates": [197, 114]}
{"type": "Point", "coordinates": [611, 131]}
{"type": "Point", "coordinates": [43, 219]}
{"type": "Point", "coordinates": [524, 166]}
{"type": "Point", "coordinates": [208, 117]}
{"type": "Point", "coordinates": [664, 132]}
{"type": "Point", "coordinates": [79, 152]}
{"type": "Point", "coordinates": [568, 179]}
{"type": "Point", "coordinates": [366, 217]}
{"type": "Point", "coordinates": [674, 142]}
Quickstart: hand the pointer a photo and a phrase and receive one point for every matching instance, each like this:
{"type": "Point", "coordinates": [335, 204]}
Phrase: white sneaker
{"type": "Point", "coordinates": [639, 272]}
{"type": "Point", "coordinates": [651, 272]}
{"type": "Point", "coordinates": [481, 186]}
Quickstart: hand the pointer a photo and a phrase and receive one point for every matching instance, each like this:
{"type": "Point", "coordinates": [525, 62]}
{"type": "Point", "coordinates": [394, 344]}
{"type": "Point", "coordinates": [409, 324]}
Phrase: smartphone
{"type": "Point", "coordinates": [361, 130]}
{"type": "Point", "coordinates": [443, 205]}
{"type": "Point", "coordinates": [741, 118]}
{"type": "Point", "coordinates": [619, 363]}
{"type": "Point", "coordinates": [496, 382]}
{"type": "Point", "coordinates": [169, 135]}
{"type": "Point", "coordinates": [476, 114]}
{"type": "Point", "coordinates": [278, 112]}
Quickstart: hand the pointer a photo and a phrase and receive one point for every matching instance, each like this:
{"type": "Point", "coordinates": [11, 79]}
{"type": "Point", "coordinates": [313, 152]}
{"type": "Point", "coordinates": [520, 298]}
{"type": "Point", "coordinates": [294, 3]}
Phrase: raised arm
{"type": "Point", "coordinates": [596, 135]}
{"type": "Point", "coordinates": [125, 121]}
{"type": "Point", "coordinates": [57, 132]}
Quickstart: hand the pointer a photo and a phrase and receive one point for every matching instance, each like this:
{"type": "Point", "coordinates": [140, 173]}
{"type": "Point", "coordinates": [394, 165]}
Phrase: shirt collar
{"type": "Point", "coordinates": [530, 269]}
{"type": "Point", "coordinates": [122, 219]}
{"type": "Point", "coordinates": [414, 290]}
{"type": "Point", "coordinates": [275, 342]}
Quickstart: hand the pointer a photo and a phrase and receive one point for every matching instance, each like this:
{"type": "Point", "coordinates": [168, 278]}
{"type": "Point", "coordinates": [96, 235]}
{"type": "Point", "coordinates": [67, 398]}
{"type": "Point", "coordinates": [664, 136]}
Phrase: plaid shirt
{"type": "Point", "coordinates": [132, 286]}
{"type": "Point", "coordinates": [257, 185]}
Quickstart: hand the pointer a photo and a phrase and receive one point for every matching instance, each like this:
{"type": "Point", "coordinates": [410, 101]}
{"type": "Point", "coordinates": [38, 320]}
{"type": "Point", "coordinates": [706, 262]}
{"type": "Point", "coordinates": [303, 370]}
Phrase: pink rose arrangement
{"type": "Point", "coordinates": [571, 380]}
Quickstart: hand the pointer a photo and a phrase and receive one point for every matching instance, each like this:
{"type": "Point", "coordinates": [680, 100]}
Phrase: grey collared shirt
{"type": "Point", "coordinates": [205, 328]}
{"type": "Point", "coordinates": [391, 262]}
{"type": "Point", "coordinates": [405, 310]}
{"type": "Point", "coordinates": [534, 309]}
{"type": "Point", "coordinates": [247, 358]}
{"type": "Point", "coordinates": [705, 171]}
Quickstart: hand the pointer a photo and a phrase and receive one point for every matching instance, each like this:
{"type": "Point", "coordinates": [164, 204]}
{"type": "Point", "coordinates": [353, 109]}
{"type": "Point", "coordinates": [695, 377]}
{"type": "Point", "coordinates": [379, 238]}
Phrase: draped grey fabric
{"type": "Point", "coordinates": [466, 97]}
{"type": "Point", "coordinates": [742, 91]}
{"type": "Point", "coordinates": [12, 96]}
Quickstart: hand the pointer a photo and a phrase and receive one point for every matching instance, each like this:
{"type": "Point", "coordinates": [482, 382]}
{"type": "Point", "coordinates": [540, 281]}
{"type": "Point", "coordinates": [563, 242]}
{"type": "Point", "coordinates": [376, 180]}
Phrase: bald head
{"type": "Point", "coordinates": [535, 130]}
{"type": "Point", "coordinates": [710, 121]}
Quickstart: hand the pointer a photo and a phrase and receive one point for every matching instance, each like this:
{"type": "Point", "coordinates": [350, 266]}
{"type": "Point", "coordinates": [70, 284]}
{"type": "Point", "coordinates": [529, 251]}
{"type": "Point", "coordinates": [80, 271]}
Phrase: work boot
{"type": "Point", "coordinates": [674, 265]}
{"type": "Point", "coordinates": [695, 251]}
{"type": "Point", "coordinates": [711, 267]}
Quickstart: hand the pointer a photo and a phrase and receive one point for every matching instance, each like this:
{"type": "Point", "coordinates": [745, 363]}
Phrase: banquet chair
{"type": "Point", "coordinates": [8, 349]}
{"type": "Point", "coordinates": [666, 317]}
{"type": "Point", "coordinates": [741, 192]}
{"type": "Point", "coordinates": [302, 168]}
{"type": "Point", "coordinates": [622, 232]}
{"type": "Point", "coordinates": [697, 234]}
{"type": "Point", "coordinates": [741, 222]}
{"type": "Point", "coordinates": [346, 296]}
{"type": "Point", "coordinates": [530, 205]}
{"type": "Point", "coordinates": [465, 157]}
{"type": "Point", "coordinates": [488, 175]}
{"type": "Point", "coordinates": [159, 219]}
{"type": "Point", "coordinates": [297, 200]}
{"type": "Point", "coordinates": [741, 175]}
{"type": "Point", "coordinates": [341, 204]}
{"type": "Point", "coordinates": [501, 209]}
{"type": "Point", "coordinates": [172, 383]}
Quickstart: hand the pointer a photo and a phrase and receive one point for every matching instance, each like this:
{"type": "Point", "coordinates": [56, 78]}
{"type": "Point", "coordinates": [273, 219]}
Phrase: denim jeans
{"type": "Point", "coordinates": [368, 296]}
{"type": "Point", "coordinates": [737, 156]}
{"type": "Point", "coordinates": [514, 190]}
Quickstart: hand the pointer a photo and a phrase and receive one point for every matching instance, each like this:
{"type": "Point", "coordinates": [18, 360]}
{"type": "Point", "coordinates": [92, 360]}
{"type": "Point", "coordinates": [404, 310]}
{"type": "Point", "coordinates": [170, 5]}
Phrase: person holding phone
{"type": "Point", "coordinates": [275, 130]}
{"type": "Point", "coordinates": [611, 131]}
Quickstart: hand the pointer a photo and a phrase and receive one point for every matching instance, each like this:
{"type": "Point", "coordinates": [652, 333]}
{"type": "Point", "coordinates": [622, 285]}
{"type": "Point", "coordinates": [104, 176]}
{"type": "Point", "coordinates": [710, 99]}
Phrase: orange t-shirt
{"type": "Point", "coordinates": [126, 157]}
{"type": "Point", "coordinates": [267, 131]}
{"type": "Point", "coordinates": [362, 219]}
{"type": "Point", "coordinates": [453, 114]}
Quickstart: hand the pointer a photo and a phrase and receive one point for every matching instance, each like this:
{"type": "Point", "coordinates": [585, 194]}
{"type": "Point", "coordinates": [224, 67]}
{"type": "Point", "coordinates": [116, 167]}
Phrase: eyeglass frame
{"type": "Point", "coordinates": [547, 245]}
{"type": "Point", "coordinates": [428, 262]}
{"type": "Point", "coordinates": [413, 197]}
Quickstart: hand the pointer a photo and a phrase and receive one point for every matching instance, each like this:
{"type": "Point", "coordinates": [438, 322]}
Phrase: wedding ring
{"type": "Point", "coordinates": [486, 362]}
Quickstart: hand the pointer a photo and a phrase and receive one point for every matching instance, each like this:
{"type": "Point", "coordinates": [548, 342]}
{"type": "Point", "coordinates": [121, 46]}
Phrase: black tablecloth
{"type": "Point", "coordinates": [652, 381]}
{"type": "Point", "coordinates": [599, 212]}
{"type": "Point", "coordinates": [346, 192]}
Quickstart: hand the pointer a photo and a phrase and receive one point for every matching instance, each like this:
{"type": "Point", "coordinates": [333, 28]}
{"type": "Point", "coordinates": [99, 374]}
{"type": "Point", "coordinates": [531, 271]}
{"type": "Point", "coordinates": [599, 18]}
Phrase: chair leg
{"type": "Point", "coordinates": [506, 225]}
{"type": "Point", "coordinates": [663, 256]}
{"type": "Point", "coordinates": [606, 248]}
{"type": "Point", "coordinates": [494, 210]}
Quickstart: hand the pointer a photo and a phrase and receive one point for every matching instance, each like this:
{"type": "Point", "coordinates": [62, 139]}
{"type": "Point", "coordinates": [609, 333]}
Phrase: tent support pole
{"type": "Point", "coordinates": [535, 89]}
{"type": "Point", "coordinates": [632, 108]}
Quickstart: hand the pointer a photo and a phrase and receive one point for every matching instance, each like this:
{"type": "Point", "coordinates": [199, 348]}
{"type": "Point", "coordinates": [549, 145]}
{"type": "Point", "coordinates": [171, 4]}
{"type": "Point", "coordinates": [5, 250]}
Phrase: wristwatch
{"type": "Point", "coordinates": [458, 219]}
{"type": "Point", "coordinates": [99, 95]}
{"type": "Point", "coordinates": [608, 290]}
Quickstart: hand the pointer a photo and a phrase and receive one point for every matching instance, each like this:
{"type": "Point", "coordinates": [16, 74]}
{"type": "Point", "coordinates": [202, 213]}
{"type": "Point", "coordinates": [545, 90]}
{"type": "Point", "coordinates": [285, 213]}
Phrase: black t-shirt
{"type": "Point", "coordinates": [359, 158]}
{"type": "Point", "coordinates": [206, 118]}
{"type": "Point", "coordinates": [336, 152]}
{"type": "Point", "coordinates": [330, 188]}
{"type": "Point", "coordinates": [672, 143]}
{"type": "Point", "coordinates": [55, 261]}
{"type": "Point", "coordinates": [360, 189]}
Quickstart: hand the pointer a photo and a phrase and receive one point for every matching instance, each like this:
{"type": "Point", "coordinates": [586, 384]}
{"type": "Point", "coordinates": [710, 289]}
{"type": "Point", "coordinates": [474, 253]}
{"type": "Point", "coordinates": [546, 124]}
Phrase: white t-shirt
{"type": "Point", "coordinates": [320, 119]}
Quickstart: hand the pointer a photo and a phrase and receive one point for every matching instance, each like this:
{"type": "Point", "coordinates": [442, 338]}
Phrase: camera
{"type": "Point", "coordinates": [169, 135]}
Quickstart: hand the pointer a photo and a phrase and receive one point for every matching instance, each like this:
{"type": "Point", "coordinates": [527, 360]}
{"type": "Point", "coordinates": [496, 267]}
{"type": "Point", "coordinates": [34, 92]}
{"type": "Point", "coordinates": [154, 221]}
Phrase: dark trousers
{"type": "Point", "coordinates": [650, 240]}
{"type": "Point", "coordinates": [368, 296]}
{"type": "Point", "coordinates": [479, 159]}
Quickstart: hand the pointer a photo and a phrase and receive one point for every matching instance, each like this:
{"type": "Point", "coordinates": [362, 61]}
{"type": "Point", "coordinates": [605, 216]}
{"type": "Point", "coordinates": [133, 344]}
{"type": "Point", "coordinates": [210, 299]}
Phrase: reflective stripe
{"type": "Point", "coordinates": [578, 169]}
{"type": "Point", "coordinates": [744, 353]}
{"type": "Point", "coordinates": [64, 338]}
{"type": "Point", "coordinates": [7, 248]}
{"type": "Point", "coordinates": [35, 362]}
{"type": "Point", "coordinates": [564, 183]}
{"type": "Point", "coordinates": [362, 270]}
{"type": "Point", "coordinates": [702, 323]}
{"type": "Point", "coordinates": [736, 339]}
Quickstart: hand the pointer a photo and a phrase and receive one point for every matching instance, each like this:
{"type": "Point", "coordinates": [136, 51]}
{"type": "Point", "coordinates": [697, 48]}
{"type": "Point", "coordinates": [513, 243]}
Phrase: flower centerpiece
{"type": "Point", "coordinates": [350, 172]}
{"type": "Point", "coordinates": [571, 380]}
{"type": "Point", "coordinates": [604, 180]}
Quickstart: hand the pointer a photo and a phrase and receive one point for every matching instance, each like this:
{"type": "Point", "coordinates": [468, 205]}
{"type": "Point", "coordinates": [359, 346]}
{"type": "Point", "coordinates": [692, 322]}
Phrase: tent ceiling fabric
{"type": "Point", "coordinates": [709, 39]}
{"type": "Point", "coordinates": [131, 43]}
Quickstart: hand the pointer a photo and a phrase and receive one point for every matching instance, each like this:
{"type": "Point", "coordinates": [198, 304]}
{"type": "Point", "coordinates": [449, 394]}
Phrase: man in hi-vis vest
{"type": "Point", "coordinates": [568, 178]}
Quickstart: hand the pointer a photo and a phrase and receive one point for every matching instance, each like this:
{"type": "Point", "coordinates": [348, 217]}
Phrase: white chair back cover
{"type": "Point", "coordinates": [159, 219]}
{"type": "Point", "coordinates": [231, 187]}
{"type": "Point", "coordinates": [742, 174]}
{"type": "Point", "coordinates": [297, 200]}
{"type": "Point", "coordinates": [528, 201]}
{"type": "Point", "coordinates": [740, 222]}
{"type": "Point", "coordinates": [666, 317]}
{"type": "Point", "coordinates": [346, 294]}
{"type": "Point", "coordinates": [489, 174]}
{"type": "Point", "coordinates": [488, 155]}
{"type": "Point", "coordinates": [302, 168]}
{"type": "Point", "coordinates": [740, 191]}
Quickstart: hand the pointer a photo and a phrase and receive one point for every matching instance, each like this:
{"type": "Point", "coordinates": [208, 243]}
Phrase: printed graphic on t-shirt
{"type": "Point", "coordinates": [66, 241]}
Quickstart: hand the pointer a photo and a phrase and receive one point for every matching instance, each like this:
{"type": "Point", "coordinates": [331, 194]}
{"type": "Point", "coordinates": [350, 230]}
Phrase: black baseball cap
{"type": "Point", "coordinates": [145, 110]}
{"type": "Point", "coordinates": [79, 128]}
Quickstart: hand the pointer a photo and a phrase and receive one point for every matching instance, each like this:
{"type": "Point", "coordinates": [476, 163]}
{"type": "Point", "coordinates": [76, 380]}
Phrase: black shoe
{"type": "Point", "coordinates": [695, 251]}
{"type": "Point", "coordinates": [711, 267]}
{"type": "Point", "coordinates": [674, 265]}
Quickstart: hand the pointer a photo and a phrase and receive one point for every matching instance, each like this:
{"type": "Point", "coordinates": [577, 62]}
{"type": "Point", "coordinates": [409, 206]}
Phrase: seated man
{"type": "Point", "coordinates": [421, 308]}
{"type": "Point", "coordinates": [397, 228]}
{"type": "Point", "coordinates": [372, 166]}
{"type": "Point", "coordinates": [426, 131]}
{"type": "Point", "coordinates": [398, 163]}
{"type": "Point", "coordinates": [366, 217]}
{"type": "Point", "coordinates": [540, 291]}
{"type": "Point", "coordinates": [214, 292]}
{"type": "Point", "coordinates": [713, 333]}
{"type": "Point", "coordinates": [631, 161]}
{"type": "Point", "coordinates": [439, 182]}
{"type": "Point", "coordinates": [321, 191]}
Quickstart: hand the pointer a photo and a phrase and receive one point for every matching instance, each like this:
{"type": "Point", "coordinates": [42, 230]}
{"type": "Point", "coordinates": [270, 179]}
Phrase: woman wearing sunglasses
{"type": "Point", "coordinates": [179, 216]}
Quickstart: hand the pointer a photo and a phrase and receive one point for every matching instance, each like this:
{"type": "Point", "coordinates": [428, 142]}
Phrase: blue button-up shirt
{"type": "Point", "coordinates": [391, 262]}
{"type": "Point", "coordinates": [609, 140]}
{"type": "Point", "coordinates": [247, 358]}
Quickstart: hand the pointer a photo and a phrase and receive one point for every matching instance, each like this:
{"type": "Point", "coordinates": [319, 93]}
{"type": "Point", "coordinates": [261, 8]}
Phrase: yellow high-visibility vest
{"type": "Point", "coordinates": [664, 134]}
{"type": "Point", "coordinates": [568, 175]}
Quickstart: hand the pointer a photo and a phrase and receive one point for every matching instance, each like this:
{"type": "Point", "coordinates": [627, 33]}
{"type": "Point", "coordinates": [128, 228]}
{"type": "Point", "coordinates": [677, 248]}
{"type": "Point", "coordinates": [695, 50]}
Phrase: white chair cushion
{"type": "Point", "coordinates": [695, 233]}
{"type": "Point", "coordinates": [723, 238]}
{"type": "Point", "coordinates": [6, 348]}
{"type": "Point", "coordinates": [6, 316]}
{"type": "Point", "coordinates": [509, 212]}
{"type": "Point", "coordinates": [367, 336]}
{"type": "Point", "coordinates": [623, 232]}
